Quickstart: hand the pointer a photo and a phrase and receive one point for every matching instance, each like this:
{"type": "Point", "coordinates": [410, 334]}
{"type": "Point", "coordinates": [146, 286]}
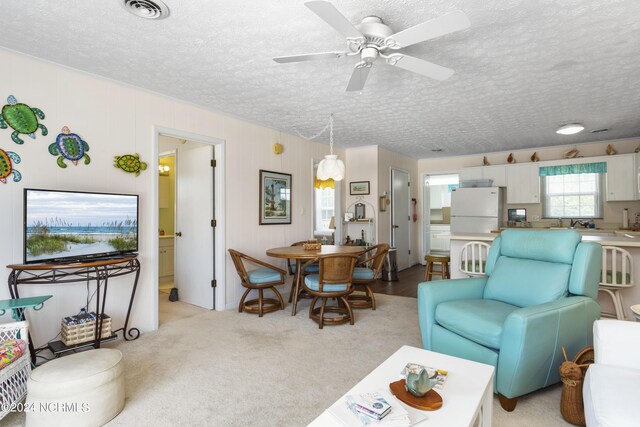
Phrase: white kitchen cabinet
{"type": "Point", "coordinates": [523, 183]}
{"type": "Point", "coordinates": [166, 257]}
{"type": "Point", "coordinates": [440, 237]}
{"type": "Point", "coordinates": [435, 196]}
{"type": "Point", "coordinates": [621, 178]}
{"type": "Point", "coordinates": [498, 174]}
{"type": "Point", "coordinates": [472, 173]}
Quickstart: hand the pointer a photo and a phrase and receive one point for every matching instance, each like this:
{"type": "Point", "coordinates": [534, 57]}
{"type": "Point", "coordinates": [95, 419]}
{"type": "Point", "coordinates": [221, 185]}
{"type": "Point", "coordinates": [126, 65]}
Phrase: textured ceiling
{"type": "Point", "coordinates": [522, 69]}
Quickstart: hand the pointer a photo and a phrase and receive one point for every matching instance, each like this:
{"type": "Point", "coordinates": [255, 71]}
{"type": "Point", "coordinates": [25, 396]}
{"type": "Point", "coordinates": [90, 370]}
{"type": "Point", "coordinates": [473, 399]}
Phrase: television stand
{"type": "Point", "coordinates": [97, 270]}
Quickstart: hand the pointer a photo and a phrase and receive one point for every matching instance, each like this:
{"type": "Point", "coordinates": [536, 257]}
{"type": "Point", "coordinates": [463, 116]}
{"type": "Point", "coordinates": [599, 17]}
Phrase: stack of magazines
{"type": "Point", "coordinates": [379, 408]}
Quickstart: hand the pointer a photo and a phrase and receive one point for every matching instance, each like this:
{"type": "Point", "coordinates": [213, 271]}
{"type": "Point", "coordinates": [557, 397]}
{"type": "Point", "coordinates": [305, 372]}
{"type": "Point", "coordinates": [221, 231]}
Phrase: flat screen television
{"type": "Point", "coordinates": [71, 226]}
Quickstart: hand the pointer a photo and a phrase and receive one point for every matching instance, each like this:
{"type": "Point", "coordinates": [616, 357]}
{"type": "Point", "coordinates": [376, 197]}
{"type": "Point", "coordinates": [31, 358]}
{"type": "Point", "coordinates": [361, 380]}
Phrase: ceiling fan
{"type": "Point", "coordinates": [372, 39]}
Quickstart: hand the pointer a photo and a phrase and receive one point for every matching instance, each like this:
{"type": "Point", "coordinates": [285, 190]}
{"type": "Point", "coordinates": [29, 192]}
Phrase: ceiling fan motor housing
{"type": "Point", "coordinates": [374, 31]}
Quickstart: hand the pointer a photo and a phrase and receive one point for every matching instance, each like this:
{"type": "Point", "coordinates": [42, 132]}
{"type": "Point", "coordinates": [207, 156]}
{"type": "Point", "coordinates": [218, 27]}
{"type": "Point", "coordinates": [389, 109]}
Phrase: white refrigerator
{"type": "Point", "coordinates": [476, 210]}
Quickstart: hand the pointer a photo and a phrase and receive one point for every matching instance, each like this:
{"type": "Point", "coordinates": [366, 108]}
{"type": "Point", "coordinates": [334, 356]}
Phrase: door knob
{"type": "Point", "coordinates": [178, 234]}
{"type": "Point", "coordinates": [396, 226]}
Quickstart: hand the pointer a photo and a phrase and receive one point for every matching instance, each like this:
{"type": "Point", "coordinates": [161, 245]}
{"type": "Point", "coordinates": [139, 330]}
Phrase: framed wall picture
{"type": "Point", "coordinates": [275, 198]}
{"type": "Point", "coordinates": [359, 188]}
{"type": "Point", "coordinates": [360, 211]}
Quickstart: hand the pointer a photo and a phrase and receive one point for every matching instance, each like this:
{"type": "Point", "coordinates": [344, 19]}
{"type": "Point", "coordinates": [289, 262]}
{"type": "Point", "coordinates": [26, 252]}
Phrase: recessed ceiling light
{"type": "Point", "coordinates": [147, 9]}
{"type": "Point", "coordinates": [436, 150]}
{"type": "Point", "coordinates": [570, 129]}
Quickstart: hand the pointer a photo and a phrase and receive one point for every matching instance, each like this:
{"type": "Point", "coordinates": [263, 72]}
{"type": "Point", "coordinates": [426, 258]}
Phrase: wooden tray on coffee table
{"type": "Point", "coordinates": [429, 402]}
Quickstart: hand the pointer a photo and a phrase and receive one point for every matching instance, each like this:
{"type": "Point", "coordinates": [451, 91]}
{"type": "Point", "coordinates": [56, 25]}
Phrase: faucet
{"type": "Point", "coordinates": [582, 222]}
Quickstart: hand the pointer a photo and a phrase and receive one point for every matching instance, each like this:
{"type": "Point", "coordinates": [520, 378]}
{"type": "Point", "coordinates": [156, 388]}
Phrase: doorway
{"type": "Point", "coordinates": [190, 219]}
{"type": "Point", "coordinates": [436, 225]}
{"type": "Point", "coordinates": [400, 219]}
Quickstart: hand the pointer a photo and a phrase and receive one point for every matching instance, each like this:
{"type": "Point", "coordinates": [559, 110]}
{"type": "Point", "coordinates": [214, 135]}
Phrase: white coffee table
{"type": "Point", "coordinates": [467, 394]}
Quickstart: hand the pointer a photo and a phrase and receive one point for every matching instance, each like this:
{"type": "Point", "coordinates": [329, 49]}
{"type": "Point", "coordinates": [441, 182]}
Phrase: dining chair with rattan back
{"type": "Point", "coordinates": [266, 277]}
{"type": "Point", "coordinates": [334, 280]}
{"type": "Point", "coordinates": [366, 274]}
{"type": "Point", "coordinates": [309, 269]}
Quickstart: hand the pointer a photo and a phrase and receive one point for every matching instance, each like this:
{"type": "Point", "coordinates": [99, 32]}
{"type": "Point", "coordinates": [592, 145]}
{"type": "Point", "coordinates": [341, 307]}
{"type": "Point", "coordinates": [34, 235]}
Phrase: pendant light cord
{"type": "Point", "coordinates": [331, 133]}
{"type": "Point", "coordinates": [328, 125]}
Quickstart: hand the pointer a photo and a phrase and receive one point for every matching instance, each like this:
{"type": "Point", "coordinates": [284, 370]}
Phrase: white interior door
{"type": "Point", "coordinates": [400, 217]}
{"type": "Point", "coordinates": [194, 234]}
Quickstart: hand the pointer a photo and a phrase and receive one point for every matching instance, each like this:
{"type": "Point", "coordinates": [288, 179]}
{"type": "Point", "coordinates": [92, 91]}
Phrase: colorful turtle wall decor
{"type": "Point", "coordinates": [71, 147]}
{"type": "Point", "coordinates": [129, 163]}
{"type": "Point", "coordinates": [22, 119]}
{"type": "Point", "coordinates": [7, 159]}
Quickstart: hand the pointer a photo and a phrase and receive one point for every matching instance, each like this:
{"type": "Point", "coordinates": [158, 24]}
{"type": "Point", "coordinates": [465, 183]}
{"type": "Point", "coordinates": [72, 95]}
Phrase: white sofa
{"type": "Point", "coordinates": [611, 392]}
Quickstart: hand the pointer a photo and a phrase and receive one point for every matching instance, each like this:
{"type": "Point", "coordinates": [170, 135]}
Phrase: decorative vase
{"type": "Point", "coordinates": [419, 383]}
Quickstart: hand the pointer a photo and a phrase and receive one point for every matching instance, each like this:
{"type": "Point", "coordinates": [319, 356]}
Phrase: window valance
{"type": "Point", "coordinates": [598, 167]}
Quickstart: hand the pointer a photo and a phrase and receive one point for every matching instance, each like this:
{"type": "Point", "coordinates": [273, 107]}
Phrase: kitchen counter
{"type": "Point", "coordinates": [624, 239]}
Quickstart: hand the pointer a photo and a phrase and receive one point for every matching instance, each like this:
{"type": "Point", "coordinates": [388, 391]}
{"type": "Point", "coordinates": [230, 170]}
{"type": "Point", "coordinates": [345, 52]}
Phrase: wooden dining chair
{"type": "Point", "coordinates": [266, 277]}
{"type": "Point", "coordinates": [312, 268]}
{"type": "Point", "coordinates": [366, 274]}
{"type": "Point", "coordinates": [333, 281]}
{"type": "Point", "coordinates": [292, 266]}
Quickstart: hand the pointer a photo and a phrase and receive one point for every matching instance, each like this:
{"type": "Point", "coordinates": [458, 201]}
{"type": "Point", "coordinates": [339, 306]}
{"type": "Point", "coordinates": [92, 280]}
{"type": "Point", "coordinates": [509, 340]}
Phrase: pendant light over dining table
{"type": "Point", "coordinates": [331, 167]}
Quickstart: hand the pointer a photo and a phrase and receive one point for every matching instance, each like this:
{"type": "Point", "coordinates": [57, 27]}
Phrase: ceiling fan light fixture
{"type": "Point", "coordinates": [570, 129]}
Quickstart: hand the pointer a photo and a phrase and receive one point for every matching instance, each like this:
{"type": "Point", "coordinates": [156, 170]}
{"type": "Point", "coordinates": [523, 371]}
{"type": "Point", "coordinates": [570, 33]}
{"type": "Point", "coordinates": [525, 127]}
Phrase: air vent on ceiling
{"type": "Point", "coordinates": [599, 130]}
{"type": "Point", "coordinates": [147, 9]}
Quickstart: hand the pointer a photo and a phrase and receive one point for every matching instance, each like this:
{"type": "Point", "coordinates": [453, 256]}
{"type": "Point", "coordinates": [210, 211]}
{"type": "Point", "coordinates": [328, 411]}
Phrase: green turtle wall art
{"type": "Point", "coordinates": [129, 163]}
{"type": "Point", "coordinates": [7, 159]}
{"type": "Point", "coordinates": [22, 119]}
{"type": "Point", "coordinates": [71, 147]}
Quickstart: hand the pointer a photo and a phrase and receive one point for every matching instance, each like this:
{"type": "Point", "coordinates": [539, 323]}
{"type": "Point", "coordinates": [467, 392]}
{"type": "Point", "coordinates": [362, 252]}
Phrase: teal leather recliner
{"type": "Point", "coordinates": [539, 294]}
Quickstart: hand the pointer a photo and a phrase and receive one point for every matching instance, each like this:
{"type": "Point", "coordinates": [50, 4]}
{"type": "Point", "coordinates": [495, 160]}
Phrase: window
{"type": "Point", "coordinates": [324, 208]}
{"type": "Point", "coordinates": [573, 195]}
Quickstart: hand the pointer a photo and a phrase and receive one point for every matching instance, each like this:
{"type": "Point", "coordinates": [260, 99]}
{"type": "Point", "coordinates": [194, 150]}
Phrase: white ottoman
{"type": "Point", "coordinates": [83, 389]}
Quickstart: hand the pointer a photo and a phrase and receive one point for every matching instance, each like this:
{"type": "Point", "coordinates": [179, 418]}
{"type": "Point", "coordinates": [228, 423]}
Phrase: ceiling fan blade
{"type": "Point", "coordinates": [419, 66]}
{"type": "Point", "coordinates": [333, 17]}
{"type": "Point", "coordinates": [308, 57]}
{"type": "Point", "coordinates": [428, 30]}
{"type": "Point", "coordinates": [358, 77]}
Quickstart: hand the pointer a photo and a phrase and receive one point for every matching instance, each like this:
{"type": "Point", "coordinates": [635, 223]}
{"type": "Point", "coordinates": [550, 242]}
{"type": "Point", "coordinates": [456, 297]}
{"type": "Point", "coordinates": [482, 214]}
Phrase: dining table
{"type": "Point", "coordinates": [299, 254]}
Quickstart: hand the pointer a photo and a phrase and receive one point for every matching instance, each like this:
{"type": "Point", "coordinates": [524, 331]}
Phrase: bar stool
{"type": "Point", "coordinates": [617, 274]}
{"type": "Point", "coordinates": [473, 258]}
{"type": "Point", "coordinates": [443, 260]}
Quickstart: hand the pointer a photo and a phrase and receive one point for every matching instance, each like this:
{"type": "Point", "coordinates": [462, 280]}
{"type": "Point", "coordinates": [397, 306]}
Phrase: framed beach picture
{"type": "Point", "coordinates": [359, 188]}
{"type": "Point", "coordinates": [275, 198]}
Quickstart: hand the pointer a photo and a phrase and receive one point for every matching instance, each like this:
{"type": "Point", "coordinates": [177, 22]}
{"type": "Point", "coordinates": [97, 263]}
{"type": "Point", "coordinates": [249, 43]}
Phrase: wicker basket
{"type": "Point", "coordinates": [572, 375]}
{"type": "Point", "coordinates": [85, 332]}
{"type": "Point", "coordinates": [312, 246]}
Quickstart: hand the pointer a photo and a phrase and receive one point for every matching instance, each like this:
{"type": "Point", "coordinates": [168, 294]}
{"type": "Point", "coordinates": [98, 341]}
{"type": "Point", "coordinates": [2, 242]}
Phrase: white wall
{"type": "Point", "coordinates": [361, 165]}
{"type": "Point", "coordinates": [115, 119]}
{"type": "Point", "coordinates": [612, 210]}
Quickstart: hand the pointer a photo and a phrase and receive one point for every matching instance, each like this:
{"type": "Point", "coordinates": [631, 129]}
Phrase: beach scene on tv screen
{"type": "Point", "coordinates": [63, 225]}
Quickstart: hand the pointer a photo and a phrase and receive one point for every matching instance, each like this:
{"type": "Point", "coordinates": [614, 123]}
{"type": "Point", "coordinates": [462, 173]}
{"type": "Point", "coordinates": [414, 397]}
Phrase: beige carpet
{"type": "Point", "coordinates": [232, 369]}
